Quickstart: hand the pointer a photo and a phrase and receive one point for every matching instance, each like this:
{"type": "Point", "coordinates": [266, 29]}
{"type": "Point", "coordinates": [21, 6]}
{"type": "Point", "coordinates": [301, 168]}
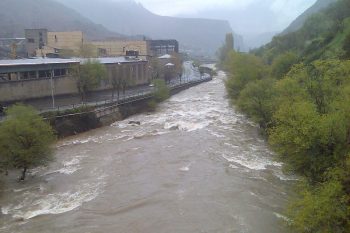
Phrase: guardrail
{"type": "Point", "coordinates": [124, 99]}
{"type": "Point", "coordinates": [103, 105]}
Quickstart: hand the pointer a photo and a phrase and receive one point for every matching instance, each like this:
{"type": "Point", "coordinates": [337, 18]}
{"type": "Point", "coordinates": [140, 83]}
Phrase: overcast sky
{"type": "Point", "coordinates": [282, 11]}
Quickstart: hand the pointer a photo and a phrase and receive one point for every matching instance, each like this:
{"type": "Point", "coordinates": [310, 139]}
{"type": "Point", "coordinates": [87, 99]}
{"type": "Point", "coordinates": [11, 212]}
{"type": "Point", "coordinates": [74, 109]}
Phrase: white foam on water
{"type": "Point", "coordinates": [185, 126]}
{"type": "Point", "coordinates": [251, 162]}
{"type": "Point", "coordinates": [185, 169]}
{"type": "Point", "coordinates": [218, 135]}
{"type": "Point", "coordinates": [280, 216]}
{"type": "Point", "coordinates": [79, 142]}
{"type": "Point", "coordinates": [69, 166]}
{"type": "Point", "coordinates": [280, 175]}
{"type": "Point", "coordinates": [233, 166]}
{"type": "Point", "coordinates": [55, 203]}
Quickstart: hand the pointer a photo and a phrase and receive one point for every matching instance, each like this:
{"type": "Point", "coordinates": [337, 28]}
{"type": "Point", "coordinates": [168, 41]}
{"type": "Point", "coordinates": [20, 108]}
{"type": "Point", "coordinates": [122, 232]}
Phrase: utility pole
{"type": "Point", "coordinates": [52, 89]}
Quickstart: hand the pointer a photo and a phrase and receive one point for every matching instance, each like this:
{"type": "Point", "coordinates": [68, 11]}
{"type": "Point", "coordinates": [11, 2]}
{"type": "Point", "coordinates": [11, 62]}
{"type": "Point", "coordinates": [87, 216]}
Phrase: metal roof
{"type": "Point", "coordinates": [166, 56]}
{"type": "Point", "coordinates": [48, 61]}
{"type": "Point", "coordinates": [111, 60]}
{"type": "Point", "coordinates": [36, 61]}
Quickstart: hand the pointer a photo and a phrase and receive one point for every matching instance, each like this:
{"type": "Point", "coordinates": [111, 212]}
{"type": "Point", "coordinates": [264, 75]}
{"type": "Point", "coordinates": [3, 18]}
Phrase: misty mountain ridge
{"type": "Point", "coordinates": [46, 14]}
{"type": "Point", "coordinates": [198, 35]}
{"type": "Point", "coordinates": [299, 22]}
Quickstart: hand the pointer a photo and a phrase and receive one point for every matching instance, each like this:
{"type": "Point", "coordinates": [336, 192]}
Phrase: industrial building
{"type": "Point", "coordinates": [42, 43]}
{"type": "Point", "coordinates": [161, 47]}
{"type": "Point", "coordinates": [24, 79]}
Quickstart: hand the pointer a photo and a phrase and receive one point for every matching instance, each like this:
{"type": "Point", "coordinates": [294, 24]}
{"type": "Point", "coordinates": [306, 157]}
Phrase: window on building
{"type": "Point", "coordinates": [60, 72]}
{"type": "Point", "coordinates": [5, 77]}
{"type": "Point", "coordinates": [44, 73]}
{"type": "Point", "coordinates": [32, 75]}
{"type": "Point", "coordinates": [30, 40]}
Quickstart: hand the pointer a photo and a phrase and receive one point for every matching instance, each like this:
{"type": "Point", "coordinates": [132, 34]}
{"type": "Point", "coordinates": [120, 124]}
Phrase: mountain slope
{"type": "Point", "coordinates": [299, 22]}
{"type": "Point", "coordinates": [130, 18]}
{"type": "Point", "coordinates": [17, 15]}
{"type": "Point", "coordinates": [322, 36]}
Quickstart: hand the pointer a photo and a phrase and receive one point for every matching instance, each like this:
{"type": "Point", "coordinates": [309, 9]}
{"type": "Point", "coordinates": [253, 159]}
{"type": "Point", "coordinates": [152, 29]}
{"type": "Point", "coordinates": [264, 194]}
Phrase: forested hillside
{"type": "Point", "coordinates": [297, 88]}
{"type": "Point", "coordinates": [321, 37]}
{"type": "Point", "coordinates": [299, 22]}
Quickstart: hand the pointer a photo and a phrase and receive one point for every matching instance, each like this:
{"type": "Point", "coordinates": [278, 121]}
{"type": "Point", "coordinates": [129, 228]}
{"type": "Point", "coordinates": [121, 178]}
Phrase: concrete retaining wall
{"type": "Point", "coordinates": [30, 89]}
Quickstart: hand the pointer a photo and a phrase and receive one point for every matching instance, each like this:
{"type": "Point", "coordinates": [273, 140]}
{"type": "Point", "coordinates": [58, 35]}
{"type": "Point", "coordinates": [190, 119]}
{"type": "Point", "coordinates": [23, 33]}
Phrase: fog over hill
{"type": "Point", "coordinates": [256, 20]}
{"type": "Point", "coordinates": [17, 15]}
{"type": "Point", "coordinates": [199, 35]}
{"type": "Point", "coordinates": [298, 23]}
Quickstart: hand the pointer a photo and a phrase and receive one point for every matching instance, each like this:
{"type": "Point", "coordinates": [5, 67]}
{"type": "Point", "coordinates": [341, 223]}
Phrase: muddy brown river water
{"type": "Point", "coordinates": [195, 165]}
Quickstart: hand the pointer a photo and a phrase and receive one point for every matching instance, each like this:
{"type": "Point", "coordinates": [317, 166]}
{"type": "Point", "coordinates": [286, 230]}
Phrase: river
{"type": "Point", "coordinates": [195, 165]}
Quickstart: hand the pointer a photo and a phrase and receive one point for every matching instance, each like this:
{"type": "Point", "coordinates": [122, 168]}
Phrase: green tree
{"type": "Point", "coordinates": [229, 41]}
{"type": "Point", "coordinates": [25, 139]}
{"type": "Point", "coordinates": [282, 64]}
{"type": "Point", "coordinates": [346, 47]}
{"type": "Point", "coordinates": [119, 81]}
{"type": "Point", "coordinates": [89, 76]}
{"type": "Point", "coordinates": [161, 93]}
{"type": "Point", "coordinates": [243, 68]}
{"type": "Point", "coordinates": [257, 101]}
{"type": "Point", "coordinates": [225, 49]}
{"type": "Point", "coordinates": [321, 209]}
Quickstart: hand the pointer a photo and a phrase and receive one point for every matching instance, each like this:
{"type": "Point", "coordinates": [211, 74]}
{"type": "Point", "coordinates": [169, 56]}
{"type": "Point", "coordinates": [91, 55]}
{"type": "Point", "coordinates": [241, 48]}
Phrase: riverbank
{"type": "Point", "coordinates": [86, 117]}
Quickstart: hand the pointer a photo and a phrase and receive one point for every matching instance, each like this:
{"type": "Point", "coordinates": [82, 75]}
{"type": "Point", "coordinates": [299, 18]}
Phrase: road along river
{"type": "Point", "coordinates": [195, 165]}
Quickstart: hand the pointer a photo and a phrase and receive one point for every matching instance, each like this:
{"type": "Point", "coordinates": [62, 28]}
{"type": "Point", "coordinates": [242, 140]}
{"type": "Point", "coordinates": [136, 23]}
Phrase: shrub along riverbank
{"type": "Point", "coordinates": [299, 94]}
{"type": "Point", "coordinates": [305, 115]}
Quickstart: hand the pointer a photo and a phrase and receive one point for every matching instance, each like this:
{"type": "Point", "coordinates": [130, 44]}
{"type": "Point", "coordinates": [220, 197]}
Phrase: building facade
{"type": "Point", "coordinates": [37, 78]}
{"type": "Point", "coordinates": [161, 47]}
{"type": "Point", "coordinates": [115, 48]}
{"type": "Point", "coordinates": [42, 43]}
{"type": "Point", "coordinates": [35, 39]}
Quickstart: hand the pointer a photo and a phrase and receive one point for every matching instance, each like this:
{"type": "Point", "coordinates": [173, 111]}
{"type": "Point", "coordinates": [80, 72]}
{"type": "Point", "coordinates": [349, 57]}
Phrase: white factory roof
{"type": "Point", "coordinates": [170, 64]}
{"type": "Point", "coordinates": [44, 61]}
{"type": "Point", "coordinates": [210, 66]}
{"type": "Point", "coordinates": [36, 61]}
{"type": "Point", "coordinates": [111, 60]}
{"type": "Point", "coordinates": [166, 56]}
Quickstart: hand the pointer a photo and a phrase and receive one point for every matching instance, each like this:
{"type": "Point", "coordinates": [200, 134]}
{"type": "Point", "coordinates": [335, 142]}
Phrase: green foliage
{"type": "Point", "coordinates": [346, 47]}
{"type": "Point", "coordinates": [89, 76]}
{"type": "Point", "coordinates": [229, 41]}
{"type": "Point", "coordinates": [321, 209]}
{"type": "Point", "coordinates": [161, 93]}
{"type": "Point", "coordinates": [321, 37]}
{"type": "Point", "coordinates": [282, 64]}
{"type": "Point", "coordinates": [225, 50]}
{"type": "Point", "coordinates": [243, 68]}
{"type": "Point", "coordinates": [305, 111]}
{"type": "Point", "coordinates": [25, 139]}
{"type": "Point", "coordinates": [256, 100]}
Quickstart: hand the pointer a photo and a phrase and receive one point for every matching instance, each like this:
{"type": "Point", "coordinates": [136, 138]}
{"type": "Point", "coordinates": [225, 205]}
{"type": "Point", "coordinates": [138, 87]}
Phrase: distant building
{"type": "Point", "coordinates": [114, 48]}
{"type": "Point", "coordinates": [12, 48]}
{"type": "Point", "coordinates": [161, 47]}
{"type": "Point", "coordinates": [42, 43]}
{"type": "Point", "coordinates": [35, 78]}
{"type": "Point", "coordinates": [35, 39]}
{"type": "Point", "coordinates": [60, 43]}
